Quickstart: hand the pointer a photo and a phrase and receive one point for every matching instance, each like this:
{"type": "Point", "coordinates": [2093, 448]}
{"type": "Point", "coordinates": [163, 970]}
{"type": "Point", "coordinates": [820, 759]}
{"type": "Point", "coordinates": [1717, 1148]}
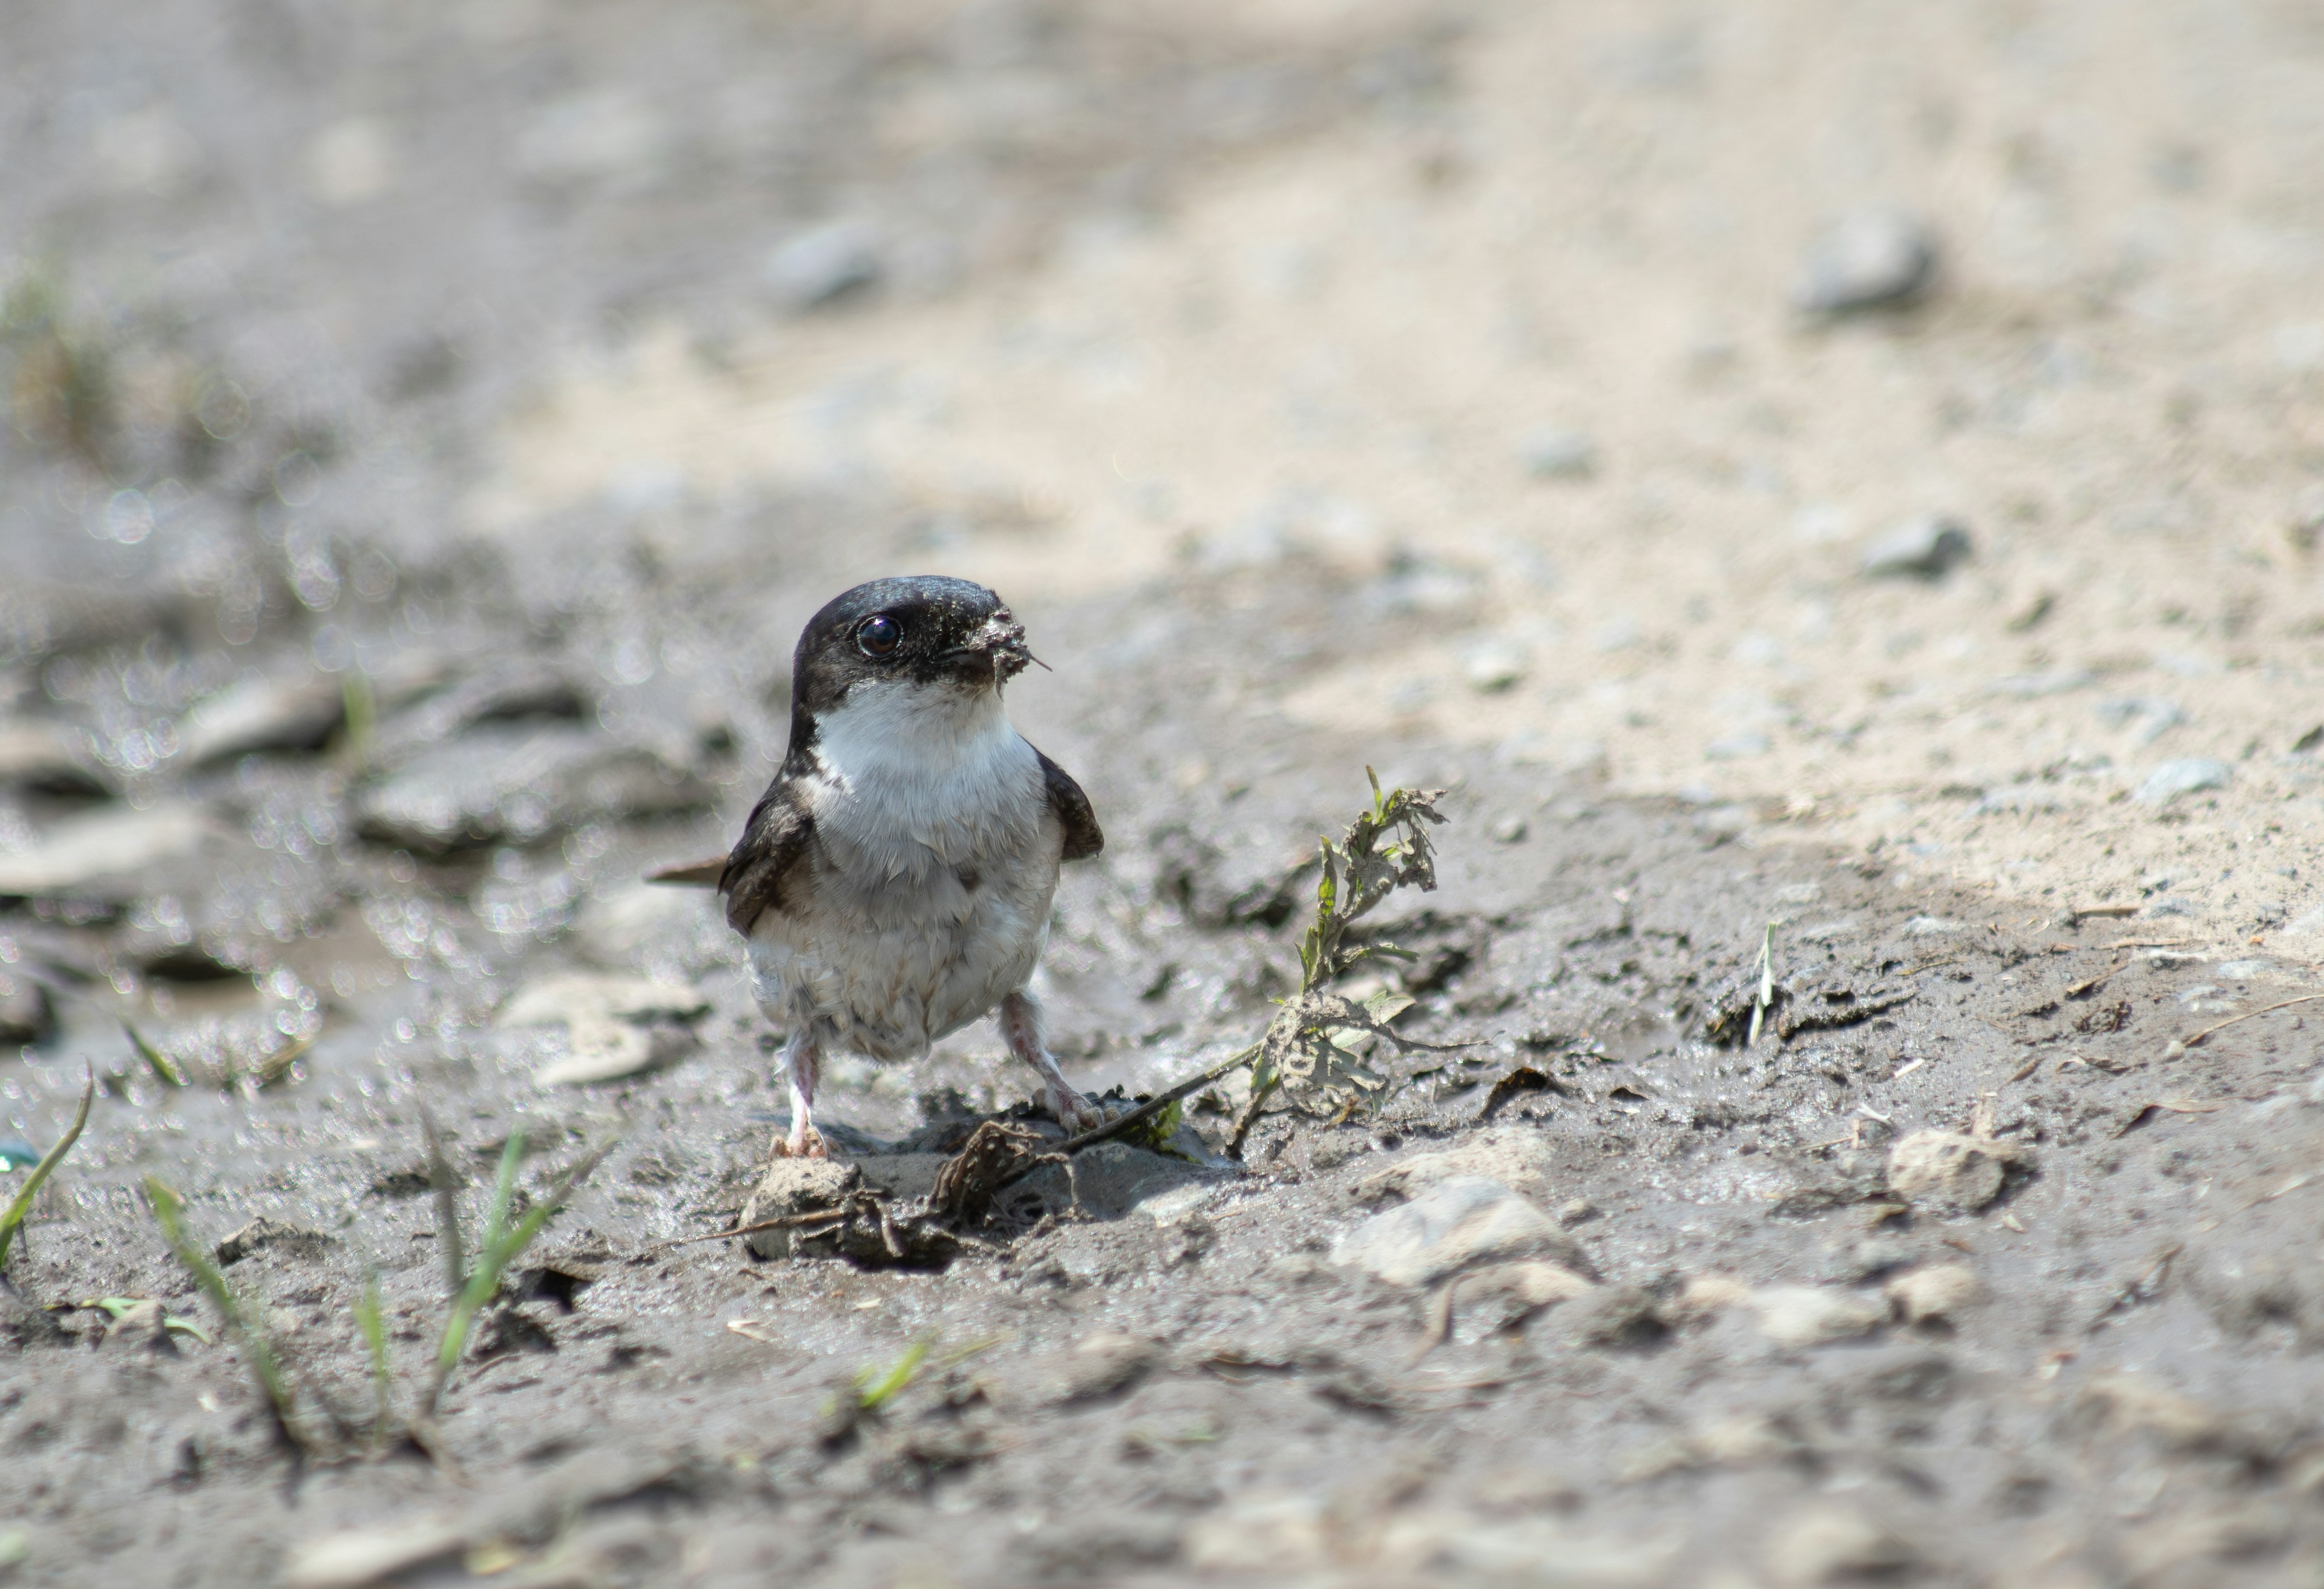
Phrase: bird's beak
{"type": "Point", "coordinates": [999, 644]}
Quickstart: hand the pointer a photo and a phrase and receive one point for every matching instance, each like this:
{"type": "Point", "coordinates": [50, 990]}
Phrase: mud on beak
{"type": "Point", "coordinates": [998, 646]}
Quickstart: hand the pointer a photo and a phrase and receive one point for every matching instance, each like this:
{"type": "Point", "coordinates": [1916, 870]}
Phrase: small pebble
{"type": "Point", "coordinates": [821, 265]}
{"type": "Point", "coordinates": [1494, 666]}
{"type": "Point", "coordinates": [1936, 1292]}
{"type": "Point", "coordinates": [1872, 259]}
{"type": "Point", "coordinates": [1560, 455]}
{"type": "Point", "coordinates": [1831, 1543]}
{"type": "Point", "coordinates": [1510, 831]}
{"type": "Point", "coordinates": [2186, 776]}
{"type": "Point", "coordinates": [1948, 1172]}
{"type": "Point", "coordinates": [1928, 547]}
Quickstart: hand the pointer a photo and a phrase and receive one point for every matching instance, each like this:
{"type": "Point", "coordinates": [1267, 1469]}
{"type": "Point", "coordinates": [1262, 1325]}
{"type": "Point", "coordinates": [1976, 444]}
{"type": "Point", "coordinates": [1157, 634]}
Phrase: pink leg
{"type": "Point", "coordinates": [802, 1065]}
{"type": "Point", "coordinates": [1022, 1029]}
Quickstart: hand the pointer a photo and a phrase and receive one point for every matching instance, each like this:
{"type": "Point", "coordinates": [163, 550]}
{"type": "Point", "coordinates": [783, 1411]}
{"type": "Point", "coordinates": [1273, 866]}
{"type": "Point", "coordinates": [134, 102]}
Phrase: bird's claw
{"type": "Point", "coordinates": [1078, 1114]}
{"type": "Point", "coordinates": [808, 1144]}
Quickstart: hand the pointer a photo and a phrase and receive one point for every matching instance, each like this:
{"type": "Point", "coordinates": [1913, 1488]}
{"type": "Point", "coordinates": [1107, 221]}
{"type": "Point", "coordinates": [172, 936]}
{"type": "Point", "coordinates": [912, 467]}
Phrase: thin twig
{"type": "Point", "coordinates": [2196, 1042]}
{"type": "Point", "coordinates": [1161, 1101]}
{"type": "Point", "coordinates": [788, 1221]}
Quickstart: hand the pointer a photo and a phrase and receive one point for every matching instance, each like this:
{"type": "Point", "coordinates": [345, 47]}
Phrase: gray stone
{"type": "Point", "coordinates": [1494, 666]}
{"type": "Point", "coordinates": [1947, 1172]}
{"type": "Point", "coordinates": [1833, 1543]}
{"type": "Point", "coordinates": [1810, 1315]}
{"type": "Point", "coordinates": [47, 758]}
{"type": "Point", "coordinates": [615, 1026]}
{"type": "Point", "coordinates": [1560, 454]}
{"type": "Point", "coordinates": [264, 1233]}
{"type": "Point", "coordinates": [519, 786]}
{"type": "Point", "coordinates": [1938, 1292]}
{"type": "Point", "coordinates": [1872, 259]}
{"type": "Point", "coordinates": [823, 264]}
{"type": "Point", "coordinates": [1487, 1302]}
{"type": "Point", "coordinates": [103, 844]}
{"type": "Point", "coordinates": [791, 1187]}
{"type": "Point", "coordinates": [2148, 717]}
{"type": "Point", "coordinates": [26, 1013]}
{"type": "Point", "coordinates": [1459, 1223]}
{"type": "Point", "coordinates": [1927, 547]}
{"type": "Point", "coordinates": [2188, 775]}
{"type": "Point", "coordinates": [261, 715]}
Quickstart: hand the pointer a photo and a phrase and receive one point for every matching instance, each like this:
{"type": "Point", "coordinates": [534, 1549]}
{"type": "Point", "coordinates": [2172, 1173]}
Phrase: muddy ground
{"type": "Point", "coordinates": [427, 432]}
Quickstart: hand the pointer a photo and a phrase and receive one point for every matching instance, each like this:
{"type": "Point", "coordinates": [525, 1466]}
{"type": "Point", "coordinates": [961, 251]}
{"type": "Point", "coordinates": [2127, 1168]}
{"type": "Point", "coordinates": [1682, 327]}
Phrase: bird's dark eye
{"type": "Point", "coordinates": [879, 635]}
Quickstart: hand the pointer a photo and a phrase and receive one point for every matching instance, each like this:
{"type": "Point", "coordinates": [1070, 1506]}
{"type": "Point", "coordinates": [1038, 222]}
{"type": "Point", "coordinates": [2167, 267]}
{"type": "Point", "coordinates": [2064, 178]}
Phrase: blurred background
{"type": "Point", "coordinates": [429, 426]}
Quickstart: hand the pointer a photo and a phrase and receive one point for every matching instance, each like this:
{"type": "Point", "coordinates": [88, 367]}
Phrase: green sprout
{"type": "Point", "coordinates": [501, 1243]}
{"type": "Point", "coordinates": [162, 1065]}
{"type": "Point", "coordinates": [118, 1307]}
{"type": "Point", "coordinates": [22, 1205]}
{"type": "Point", "coordinates": [170, 1212]}
{"type": "Point", "coordinates": [371, 1319]}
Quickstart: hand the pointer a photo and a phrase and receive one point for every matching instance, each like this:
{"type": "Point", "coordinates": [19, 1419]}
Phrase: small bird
{"type": "Point", "coordinates": [894, 883]}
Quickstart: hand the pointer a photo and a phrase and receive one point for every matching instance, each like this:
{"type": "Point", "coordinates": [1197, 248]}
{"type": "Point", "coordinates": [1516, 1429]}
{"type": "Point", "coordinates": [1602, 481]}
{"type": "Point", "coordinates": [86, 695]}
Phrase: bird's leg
{"type": "Point", "coordinates": [802, 1065]}
{"type": "Point", "coordinates": [1022, 1027]}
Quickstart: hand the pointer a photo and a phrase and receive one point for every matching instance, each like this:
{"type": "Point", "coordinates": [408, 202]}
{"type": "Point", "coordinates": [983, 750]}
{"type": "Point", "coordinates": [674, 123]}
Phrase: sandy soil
{"type": "Point", "coordinates": [428, 432]}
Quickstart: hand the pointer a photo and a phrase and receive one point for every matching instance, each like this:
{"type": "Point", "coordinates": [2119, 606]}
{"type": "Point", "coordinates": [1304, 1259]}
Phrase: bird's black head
{"type": "Point", "coordinates": [922, 632]}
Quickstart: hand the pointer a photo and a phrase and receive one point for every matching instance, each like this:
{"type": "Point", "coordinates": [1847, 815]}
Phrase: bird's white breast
{"type": "Point", "coordinates": [936, 856]}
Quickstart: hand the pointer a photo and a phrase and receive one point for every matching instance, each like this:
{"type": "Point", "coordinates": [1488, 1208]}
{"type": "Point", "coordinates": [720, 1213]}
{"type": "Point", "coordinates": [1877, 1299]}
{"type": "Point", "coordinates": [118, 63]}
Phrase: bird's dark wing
{"type": "Point", "coordinates": [772, 844]}
{"type": "Point", "coordinates": [1084, 838]}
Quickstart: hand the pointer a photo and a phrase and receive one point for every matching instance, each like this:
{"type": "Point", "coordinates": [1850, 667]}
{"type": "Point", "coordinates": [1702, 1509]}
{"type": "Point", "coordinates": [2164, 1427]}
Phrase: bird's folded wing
{"type": "Point", "coordinates": [1084, 838]}
{"type": "Point", "coordinates": [773, 843]}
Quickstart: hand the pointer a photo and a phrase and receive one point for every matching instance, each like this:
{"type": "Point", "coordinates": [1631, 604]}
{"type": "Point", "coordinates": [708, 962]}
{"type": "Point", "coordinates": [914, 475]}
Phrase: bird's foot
{"type": "Point", "coordinates": [801, 1144]}
{"type": "Point", "coordinates": [1074, 1113]}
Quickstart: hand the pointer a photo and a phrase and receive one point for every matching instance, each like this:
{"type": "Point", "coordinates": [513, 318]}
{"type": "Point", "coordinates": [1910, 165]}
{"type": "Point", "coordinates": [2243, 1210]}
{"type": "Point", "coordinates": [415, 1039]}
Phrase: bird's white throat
{"type": "Point", "coordinates": [942, 768]}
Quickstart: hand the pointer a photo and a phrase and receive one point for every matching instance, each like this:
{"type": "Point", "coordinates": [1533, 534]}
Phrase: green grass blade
{"type": "Point", "coordinates": [22, 1205]}
{"type": "Point", "coordinates": [372, 1321]}
{"type": "Point", "coordinates": [170, 1214]}
{"type": "Point", "coordinates": [875, 1388]}
{"type": "Point", "coordinates": [501, 1246]}
{"type": "Point", "coordinates": [162, 1065]}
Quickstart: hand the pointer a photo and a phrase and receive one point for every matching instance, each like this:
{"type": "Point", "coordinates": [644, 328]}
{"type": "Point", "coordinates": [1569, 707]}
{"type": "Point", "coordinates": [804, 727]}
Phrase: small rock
{"type": "Point", "coordinates": [1514, 1158]}
{"type": "Point", "coordinates": [261, 715]}
{"type": "Point", "coordinates": [1937, 1292]}
{"type": "Point", "coordinates": [1612, 1316]}
{"type": "Point", "coordinates": [1457, 1224]}
{"type": "Point", "coordinates": [791, 1186]}
{"type": "Point", "coordinates": [1871, 259]}
{"type": "Point", "coordinates": [1948, 1172]}
{"type": "Point", "coordinates": [2305, 525]}
{"type": "Point", "coordinates": [1576, 1211]}
{"type": "Point", "coordinates": [2189, 775]}
{"type": "Point", "coordinates": [1510, 831]}
{"type": "Point", "coordinates": [1560, 455]}
{"type": "Point", "coordinates": [46, 758]}
{"type": "Point", "coordinates": [2149, 718]}
{"type": "Point", "coordinates": [1707, 1294]}
{"type": "Point", "coordinates": [141, 1324]}
{"type": "Point", "coordinates": [1495, 666]}
{"type": "Point", "coordinates": [1830, 1543]}
{"type": "Point", "coordinates": [263, 1233]}
{"type": "Point", "coordinates": [519, 786]}
{"type": "Point", "coordinates": [1928, 547]}
{"type": "Point", "coordinates": [615, 1026]}
{"type": "Point", "coordinates": [1810, 1315]}
{"type": "Point", "coordinates": [104, 845]}
{"type": "Point", "coordinates": [26, 1014]}
{"type": "Point", "coordinates": [1864, 1259]}
{"type": "Point", "coordinates": [1486, 1302]}
{"type": "Point", "coordinates": [1103, 1363]}
{"type": "Point", "coordinates": [821, 265]}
